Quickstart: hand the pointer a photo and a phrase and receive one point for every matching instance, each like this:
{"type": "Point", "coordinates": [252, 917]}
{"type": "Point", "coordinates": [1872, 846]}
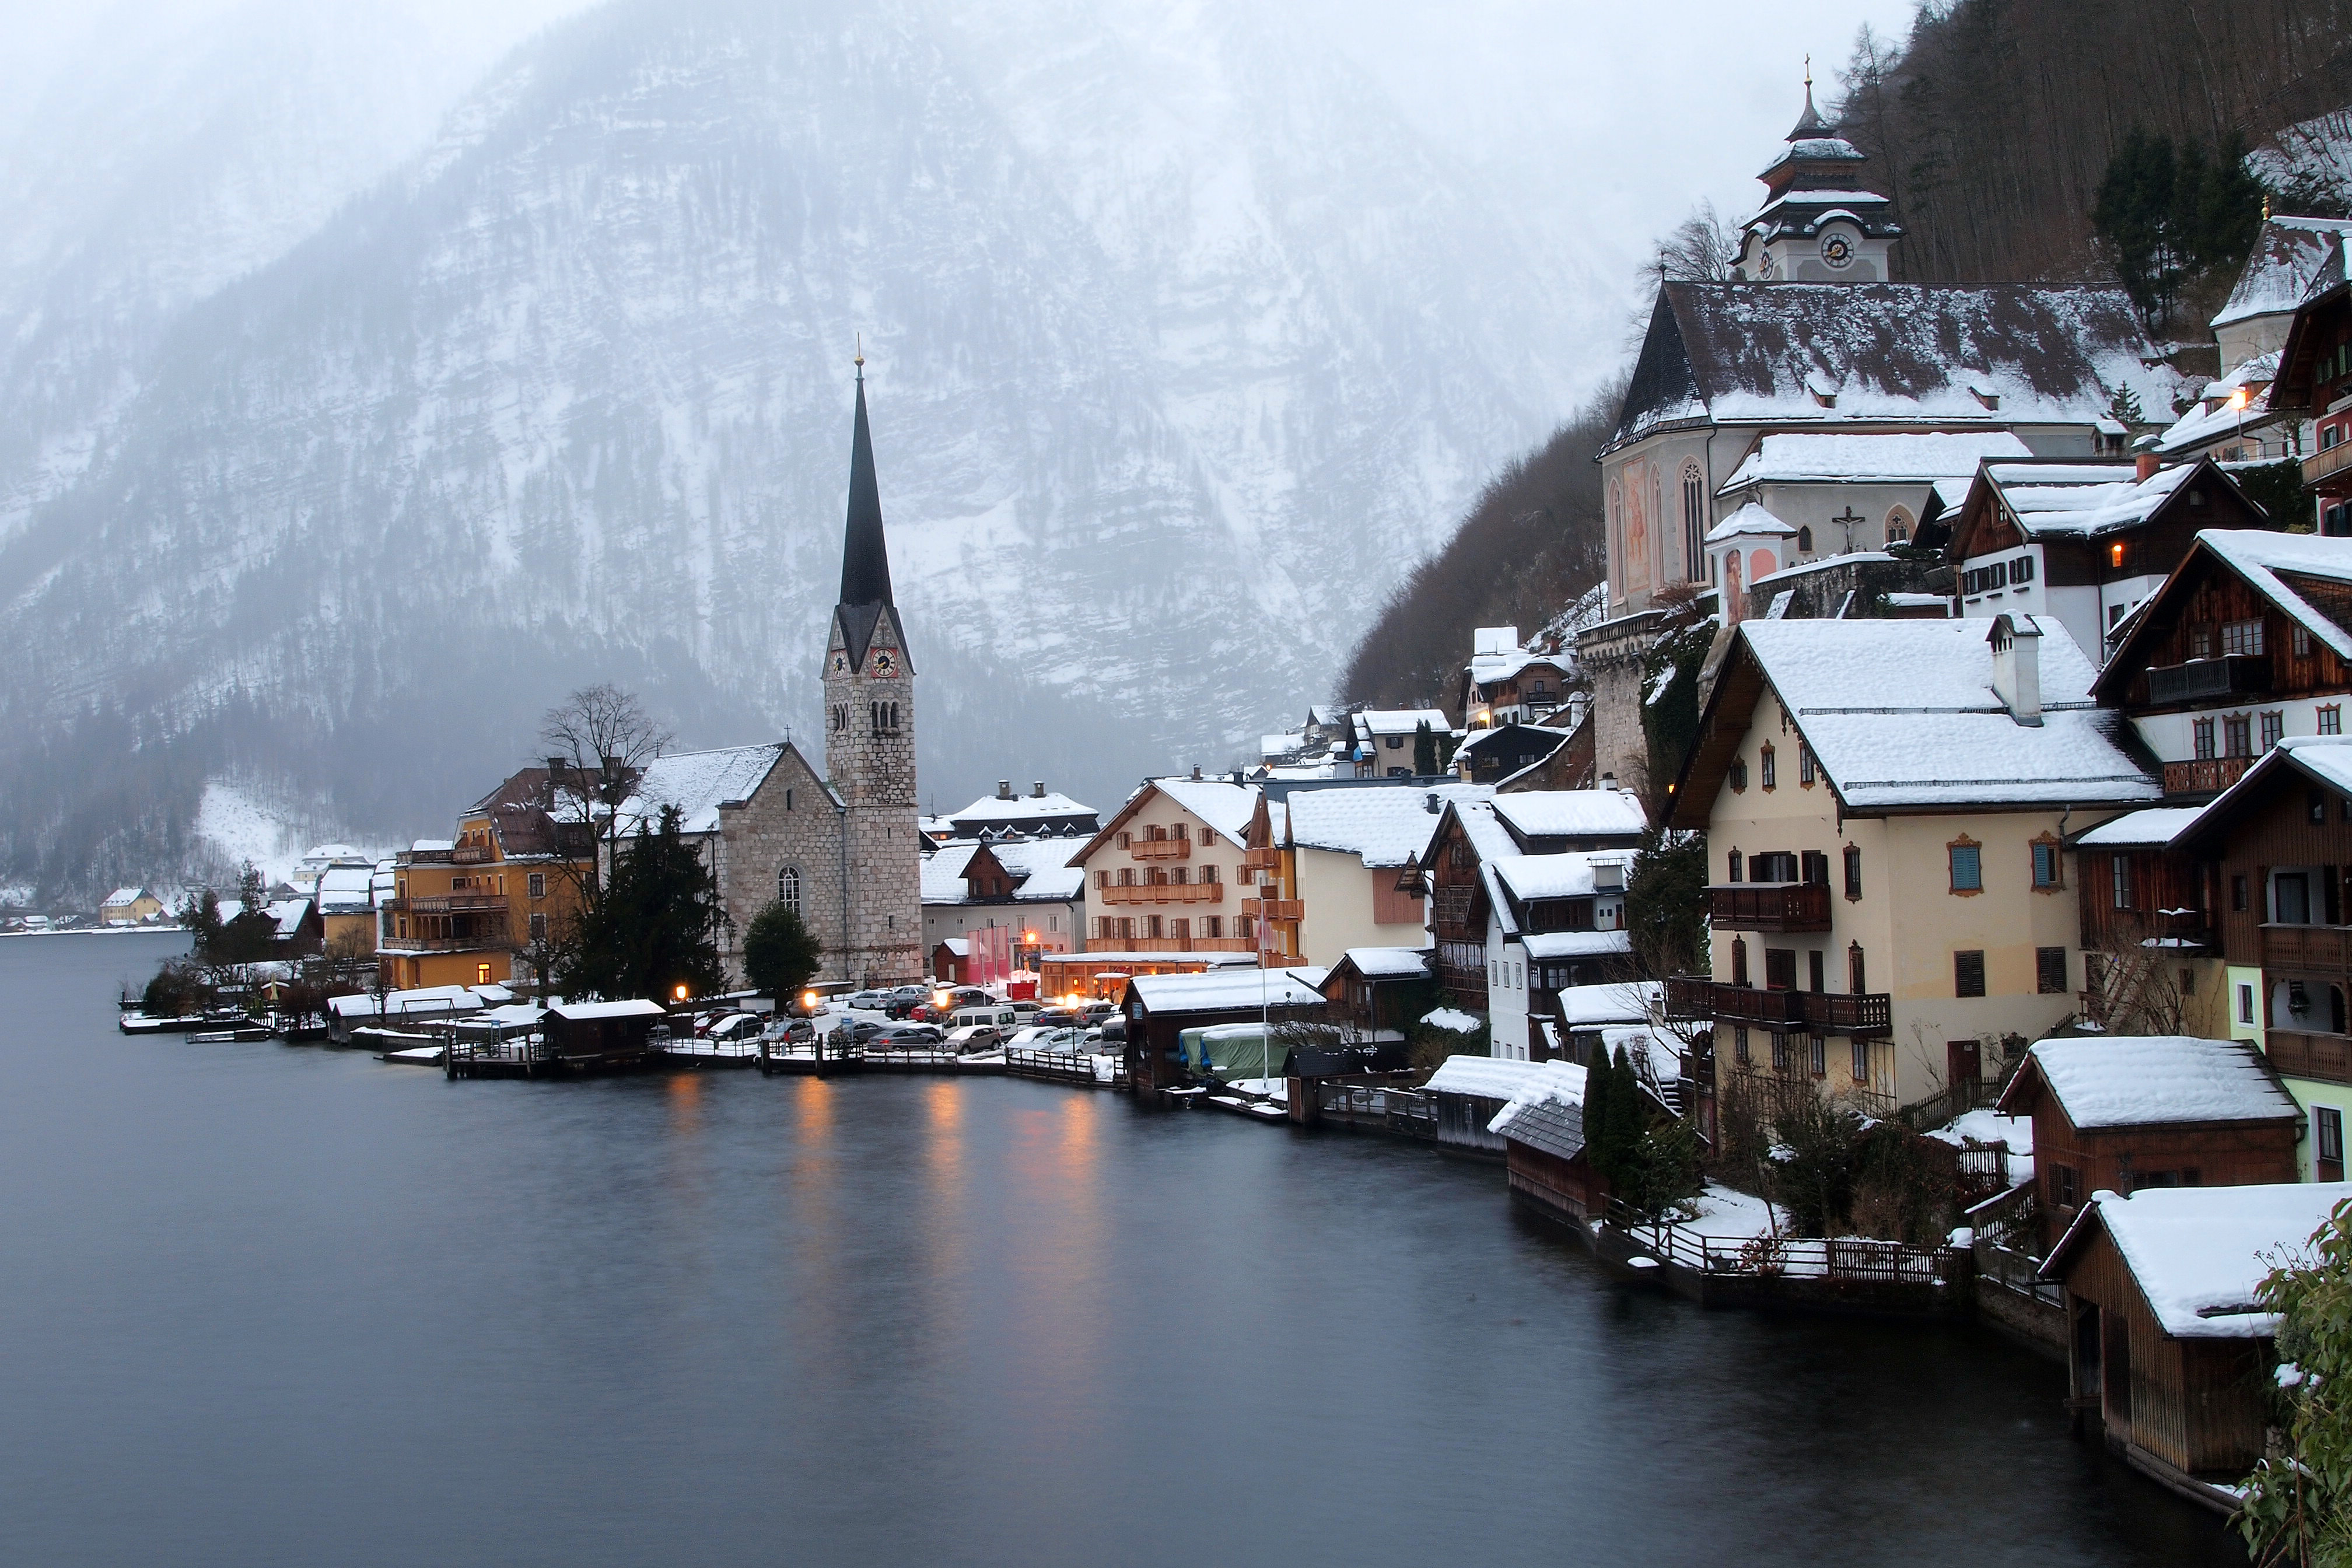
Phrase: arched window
{"type": "Point", "coordinates": [788, 888]}
{"type": "Point", "coordinates": [1804, 541]}
{"type": "Point", "coordinates": [1693, 524]}
{"type": "Point", "coordinates": [1898, 527]}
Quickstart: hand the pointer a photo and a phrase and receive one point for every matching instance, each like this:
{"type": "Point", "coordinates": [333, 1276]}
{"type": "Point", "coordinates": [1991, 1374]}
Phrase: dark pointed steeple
{"type": "Point", "coordinates": [865, 559]}
{"type": "Point", "coordinates": [1810, 125]}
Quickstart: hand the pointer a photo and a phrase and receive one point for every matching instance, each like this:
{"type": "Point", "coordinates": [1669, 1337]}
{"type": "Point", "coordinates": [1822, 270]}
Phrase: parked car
{"type": "Point", "coordinates": [867, 1001]}
{"type": "Point", "coordinates": [997, 1015]}
{"type": "Point", "coordinates": [1046, 1037]}
{"type": "Point", "coordinates": [793, 1031]}
{"type": "Point", "coordinates": [975, 1038]}
{"type": "Point", "coordinates": [1098, 1009]}
{"type": "Point", "coordinates": [735, 1027]}
{"type": "Point", "coordinates": [908, 1036]}
{"type": "Point", "coordinates": [1062, 1017]}
{"type": "Point", "coordinates": [966, 996]}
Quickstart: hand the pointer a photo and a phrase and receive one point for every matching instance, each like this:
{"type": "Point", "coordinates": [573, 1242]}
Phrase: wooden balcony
{"type": "Point", "coordinates": [2324, 949]}
{"type": "Point", "coordinates": [2298, 1055]}
{"type": "Point", "coordinates": [450, 904]}
{"type": "Point", "coordinates": [1161, 848]}
{"type": "Point", "coordinates": [1862, 1014]}
{"type": "Point", "coordinates": [1267, 860]}
{"type": "Point", "coordinates": [2204, 776]}
{"type": "Point", "coordinates": [2326, 465]}
{"type": "Point", "coordinates": [1450, 906]}
{"type": "Point", "coordinates": [1769, 906]}
{"type": "Point", "coordinates": [470, 855]}
{"type": "Point", "coordinates": [1162, 893]}
{"type": "Point", "coordinates": [1276, 909]}
{"type": "Point", "coordinates": [2205, 680]}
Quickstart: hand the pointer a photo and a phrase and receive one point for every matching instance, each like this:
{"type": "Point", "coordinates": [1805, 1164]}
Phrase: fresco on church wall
{"type": "Point", "coordinates": [1639, 482]}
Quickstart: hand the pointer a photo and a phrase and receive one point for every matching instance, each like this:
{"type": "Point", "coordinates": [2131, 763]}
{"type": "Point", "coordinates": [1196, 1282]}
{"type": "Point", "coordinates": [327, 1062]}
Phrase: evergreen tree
{"type": "Point", "coordinates": [2298, 1501]}
{"type": "Point", "coordinates": [1600, 1093]}
{"type": "Point", "coordinates": [657, 925]}
{"type": "Point", "coordinates": [2170, 215]}
{"type": "Point", "coordinates": [1425, 750]}
{"type": "Point", "coordinates": [1666, 903]}
{"type": "Point", "coordinates": [781, 955]}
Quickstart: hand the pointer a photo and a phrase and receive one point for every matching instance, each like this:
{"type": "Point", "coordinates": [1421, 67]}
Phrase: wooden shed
{"type": "Point", "coordinates": [1471, 1091]}
{"type": "Point", "coordinates": [1542, 1129]}
{"type": "Point", "coordinates": [2166, 1339]}
{"type": "Point", "coordinates": [601, 1035]}
{"type": "Point", "coordinates": [2132, 1112]}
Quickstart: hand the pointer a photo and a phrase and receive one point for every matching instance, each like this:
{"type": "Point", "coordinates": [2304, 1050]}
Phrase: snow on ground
{"type": "Point", "coordinates": [2014, 1133]}
{"type": "Point", "coordinates": [1274, 1089]}
{"type": "Point", "coordinates": [242, 826]}
{"type": "Point", "coordinates": [1727, 1213]}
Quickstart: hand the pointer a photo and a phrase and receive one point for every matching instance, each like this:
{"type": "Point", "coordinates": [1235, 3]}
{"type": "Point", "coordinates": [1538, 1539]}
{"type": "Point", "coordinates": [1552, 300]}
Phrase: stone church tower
{"type": "Point", "coordinates": [869, 741]}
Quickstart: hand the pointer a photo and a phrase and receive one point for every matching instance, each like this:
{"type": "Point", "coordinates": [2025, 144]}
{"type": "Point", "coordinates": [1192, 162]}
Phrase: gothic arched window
{"type": "Point", "coordinates": [1804, 541]}
{"type": "Point", "coordinates": [1693, 524]}
{"type": "Point", "coordinates": [1898, 527]}
{"type": "Point", "coordinates": [788, 888]}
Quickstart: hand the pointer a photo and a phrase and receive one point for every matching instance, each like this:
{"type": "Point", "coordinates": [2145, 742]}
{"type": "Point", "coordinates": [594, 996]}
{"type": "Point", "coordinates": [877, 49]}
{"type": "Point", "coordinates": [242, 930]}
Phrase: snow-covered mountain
{"type": "Point", "coordinates": [1183, 345]}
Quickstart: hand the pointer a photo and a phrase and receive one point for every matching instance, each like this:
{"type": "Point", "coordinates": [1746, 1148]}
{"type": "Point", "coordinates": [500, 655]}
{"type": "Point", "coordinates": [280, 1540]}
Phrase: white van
{"type": "Point", "coordinates": [995, 1014]}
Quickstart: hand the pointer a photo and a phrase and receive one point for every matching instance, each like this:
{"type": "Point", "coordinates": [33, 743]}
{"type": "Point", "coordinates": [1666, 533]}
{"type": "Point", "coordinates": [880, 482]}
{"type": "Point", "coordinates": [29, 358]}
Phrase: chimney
{"type": "Point", "coordinates": [2017, 668]}
{"type": "Point", "coordinates": [2146, 465]}
{"type": "Point", "coordinates": [1004, 789]}
{"type": "Point", "coordinates": [1196, 770]}
{"type": "Point", "coordinates": [1038, 790]}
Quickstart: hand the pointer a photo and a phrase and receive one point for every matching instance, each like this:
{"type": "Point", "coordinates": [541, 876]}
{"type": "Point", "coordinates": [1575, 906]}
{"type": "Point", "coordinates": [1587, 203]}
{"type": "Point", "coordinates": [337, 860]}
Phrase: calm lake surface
{"type": "Point", "coordinates": [266, 1304]}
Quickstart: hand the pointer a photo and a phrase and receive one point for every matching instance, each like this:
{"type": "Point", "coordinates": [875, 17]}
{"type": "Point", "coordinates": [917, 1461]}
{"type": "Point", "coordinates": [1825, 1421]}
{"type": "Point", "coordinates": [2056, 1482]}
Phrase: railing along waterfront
{"type": "Point", "coordinates": [1810, 1257]}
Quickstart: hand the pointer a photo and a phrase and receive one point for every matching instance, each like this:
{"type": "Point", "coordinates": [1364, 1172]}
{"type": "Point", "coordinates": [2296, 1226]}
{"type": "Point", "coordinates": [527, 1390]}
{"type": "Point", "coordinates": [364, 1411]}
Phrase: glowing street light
{"type": "Point", "coordinates": [681, 993]}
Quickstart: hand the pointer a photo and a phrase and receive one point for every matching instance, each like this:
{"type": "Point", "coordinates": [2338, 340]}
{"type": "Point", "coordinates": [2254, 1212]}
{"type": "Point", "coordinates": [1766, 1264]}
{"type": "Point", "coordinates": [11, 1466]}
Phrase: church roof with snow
{"type": "Point", "coordinates": [2287, 257]}
{"type": "Point", "coordinates": [1827, 355]}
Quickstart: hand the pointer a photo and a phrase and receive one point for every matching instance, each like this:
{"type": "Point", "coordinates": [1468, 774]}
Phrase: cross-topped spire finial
{"type": "Point", "coordinates": [860, 359]}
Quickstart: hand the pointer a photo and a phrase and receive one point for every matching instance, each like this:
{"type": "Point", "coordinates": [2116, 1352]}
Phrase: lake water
{"type": "Point", "coordinates": [268, 1304]}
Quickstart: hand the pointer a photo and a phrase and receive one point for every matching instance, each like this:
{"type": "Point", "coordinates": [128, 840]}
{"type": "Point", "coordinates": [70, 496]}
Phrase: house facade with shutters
{"type": "Point", "coordinates": [1884, 804]}
{"type": "Point", "coordinates": [1170, 871]}
{"type": "Point", "coordinates": [1021, 892]}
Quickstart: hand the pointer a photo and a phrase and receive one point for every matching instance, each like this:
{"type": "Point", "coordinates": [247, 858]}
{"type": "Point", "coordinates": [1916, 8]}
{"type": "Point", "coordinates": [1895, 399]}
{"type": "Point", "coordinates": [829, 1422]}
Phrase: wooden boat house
{"type": "Point", "coordinates": [2168, 1342]}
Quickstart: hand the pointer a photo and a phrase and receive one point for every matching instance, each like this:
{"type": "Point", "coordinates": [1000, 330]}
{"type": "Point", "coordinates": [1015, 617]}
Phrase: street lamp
{"type": "Point", "coordinates": [681, 993]}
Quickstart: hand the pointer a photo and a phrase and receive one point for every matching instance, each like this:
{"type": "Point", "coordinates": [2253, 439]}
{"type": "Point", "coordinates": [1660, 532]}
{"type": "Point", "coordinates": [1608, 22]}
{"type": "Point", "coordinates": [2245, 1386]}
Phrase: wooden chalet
{"type": "Point", "coordinates": [2141, 1112]}
{"type": "Point", "coordinates": [1542, 1129]}
{"type": "Point", "coordinates": [2277, 851]}
{"type": "Point", "coordinates": [1376, 991]}
{"type": "Point", "coordinates": [2085, 541]}
{"type": "Point", "coordinates": [1471, 1092]}
{"type": "Point", "coordinates": [2166, 1340]}
{"type": "Point", "coordinates": [601, 1036]}
{"type": "Point", "coordinates": [2249, 641]}
{"type": "Point", "coordinates": [2315, 374]}
{"type": "Point", "coordinates": [1526, 756]}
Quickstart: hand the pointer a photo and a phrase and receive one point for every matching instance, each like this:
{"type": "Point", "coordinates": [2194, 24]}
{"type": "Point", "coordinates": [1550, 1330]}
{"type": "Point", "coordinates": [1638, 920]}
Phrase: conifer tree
{"type": "Point", "coordinates": [657, 925]}
{"type": "Point", "coordinates": [781, 955]}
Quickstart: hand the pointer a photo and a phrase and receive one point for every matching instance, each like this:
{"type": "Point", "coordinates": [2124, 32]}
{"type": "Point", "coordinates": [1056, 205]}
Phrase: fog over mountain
{"type": "Point", "coordinates": [336, 447]}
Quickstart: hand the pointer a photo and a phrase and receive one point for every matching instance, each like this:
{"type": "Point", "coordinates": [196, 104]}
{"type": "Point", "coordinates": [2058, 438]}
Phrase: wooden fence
{"type": "Point", "coordinates": [1813, 1258]}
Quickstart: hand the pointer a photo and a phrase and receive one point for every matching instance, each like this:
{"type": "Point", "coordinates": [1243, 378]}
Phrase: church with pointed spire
{"type": "Point", "coordinates": [841, 845]}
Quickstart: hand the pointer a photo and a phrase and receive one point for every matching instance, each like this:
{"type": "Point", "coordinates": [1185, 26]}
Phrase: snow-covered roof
{"type": "Point", "coordinates": [1902, 713]}
{"type": "Point", "coordinates": [418, 999]}
{"type": "Point", "coordinates": [1572, 813]}
{"type": "Point", "coordinates": [290, 914]}
{"type": "Point", "coordinates": [1483, 829]}
{"type": "Point", "coordinates": [638, 1007]}
{"type": "Point", "coordinates": [1389, 962]}
{"type": "Point", "coordinates": [959, 946]}
{"type": "Point", "coordinates": [1216, 991]}
{"type": "Point", "coordinates": [697, 783]}
{"type": "Point", "coordinates": [2200, 1254]}
{"type": "Point", "coordinates": [1227, 807]}
{"type": "Point", "coordinates": [1453, 1020]}
{"type": "Point", "coordinates": [121, 896]}
{"type": "Point", "coordinates": [1577, 944]}
{"type": "Point", "coordinates": [1385, 721]}
{"type": "Point", "coordinates": [1044, 867]}
{"type": "Point", "coordinates": [2139, 1079]}
{"type": "Point", "coordinates": [2082, 500]}
{"type": "Point", "coordinates": [432, 845]}
{"type": "Point", "coordinates": [1569, 876]}
{"type": "Point", "coordinates": [347, 890]}
{"type": "Point", "coordinates": [1949, 356]}
{"type": "Point", "coordinates": [1806, 457]}
{"type": "Point", "coordinates": [2279, 270]}
{"type": "Point", "coordinates": [1625, 1002]}
{"type": "Point", "coordinates": [2270, 561]}
{"type": "Point", "coordinates": [1487, 1077]}
{"type": "Point", "coordinates": [1547, 1113]}
{"type": "Point", "coordinates": [943, 872]}
{"type": "Point", "coordinates": [1751, 521]}
{"type": "Point", "coordinates": [1020, 809]}
{"type": "Point", "coordinates": [2238, 400]}
{"type": "Point", "coordinates": [2152, 827]}
{"type": "Point", "coordinates": [1386, 825]}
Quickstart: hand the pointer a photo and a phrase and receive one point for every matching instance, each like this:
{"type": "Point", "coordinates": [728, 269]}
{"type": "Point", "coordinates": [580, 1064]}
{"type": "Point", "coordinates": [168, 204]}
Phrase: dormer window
{"type": "Point", "coordinates": [1824, 389]}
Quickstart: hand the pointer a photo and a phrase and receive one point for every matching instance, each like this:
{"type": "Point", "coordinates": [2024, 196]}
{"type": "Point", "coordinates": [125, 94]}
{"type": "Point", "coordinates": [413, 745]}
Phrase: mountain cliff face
{"type": "Point", "coordinates": [1182, 348]}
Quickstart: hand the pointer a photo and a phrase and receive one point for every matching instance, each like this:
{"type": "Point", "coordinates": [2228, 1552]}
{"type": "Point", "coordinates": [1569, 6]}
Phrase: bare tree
{"type": "Point", "coordinates": [2139, 990]}
{"type": "Point", "coordinates": [1699, 249]}
{"type": "Point", "coordinates": [598, 739]}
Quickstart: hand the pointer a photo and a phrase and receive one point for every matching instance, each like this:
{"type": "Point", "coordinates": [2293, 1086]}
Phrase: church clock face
{"type": "Point", "coordinates": [841, 664]}
{"type": "Point", "coordinates": [883, 664]}
{"type": "Point", "coordinates": [1837, 251]}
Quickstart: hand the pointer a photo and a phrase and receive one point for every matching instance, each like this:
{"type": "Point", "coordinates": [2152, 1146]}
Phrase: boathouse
{"type": "Point", "coordinates": [1542, 1129]}
{"type": "Point", "coordinates": [601, 1036]}
{"type": "Point", "coordinates": [2121, 1115]}
{"type": "Point", "coordinates": [2167, 1342]}
{"type": "Point", "coordinates": [1160, 1007]}
{"type": "Point", "coordinates": [1471, 1092]}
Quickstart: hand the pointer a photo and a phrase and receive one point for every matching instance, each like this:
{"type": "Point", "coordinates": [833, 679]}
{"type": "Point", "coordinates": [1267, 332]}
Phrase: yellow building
{"type": "Point", "coordinates": [1885, 805]}
{"type": "Point", "coordinates": [129, 905]}
{"type": "Point", "coordinates": [465, 911]}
